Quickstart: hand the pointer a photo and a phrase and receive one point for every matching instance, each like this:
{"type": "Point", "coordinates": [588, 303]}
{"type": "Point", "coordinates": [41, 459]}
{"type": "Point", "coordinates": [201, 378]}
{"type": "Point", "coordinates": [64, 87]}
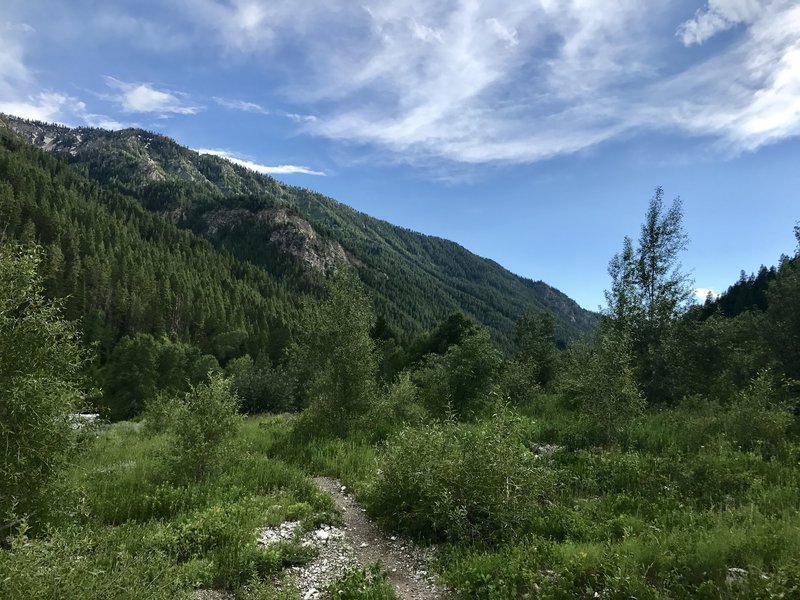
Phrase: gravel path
{"type": "Point", "coordinates": [405, 563]}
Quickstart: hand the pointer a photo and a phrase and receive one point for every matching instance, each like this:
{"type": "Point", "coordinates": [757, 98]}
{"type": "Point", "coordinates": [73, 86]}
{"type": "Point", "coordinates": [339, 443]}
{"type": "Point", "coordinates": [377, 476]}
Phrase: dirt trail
{"type": "Point", "coordinates": [405, 564]}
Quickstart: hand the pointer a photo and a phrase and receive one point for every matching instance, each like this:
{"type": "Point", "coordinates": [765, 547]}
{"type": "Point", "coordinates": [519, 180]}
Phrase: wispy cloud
{"type": "Point", "coordinates": [718, 16]}
{"type": "Point", "coordinates": [298, 118]}
{"type": "Point", "coordinates": [259, 168]}
{"type": "Point", "coordinates": [512, 82]}
{"type": "Point", "coordinates": [241, 105]}
{"type": "Point", "coordinates": [45, 106]}
{"type": "Point", "coordinates": [144, 98]}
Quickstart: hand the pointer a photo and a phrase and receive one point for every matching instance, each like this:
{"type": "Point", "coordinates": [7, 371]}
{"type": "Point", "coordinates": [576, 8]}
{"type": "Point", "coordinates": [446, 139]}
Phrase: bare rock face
{"type": "Point", "coordinates": [298, 238]}
{"type": "Point", "coordinates": [289, 233]}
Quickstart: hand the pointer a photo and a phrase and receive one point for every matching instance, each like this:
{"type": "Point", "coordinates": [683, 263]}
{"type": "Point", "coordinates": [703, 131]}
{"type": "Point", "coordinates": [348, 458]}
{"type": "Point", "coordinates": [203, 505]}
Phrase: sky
{"type": "Point", "coordinates": [532, 132]}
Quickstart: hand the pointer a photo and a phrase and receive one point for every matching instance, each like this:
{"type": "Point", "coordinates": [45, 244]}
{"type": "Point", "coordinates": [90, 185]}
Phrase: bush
{"type": "Point", "coordinates": [475, 483]}
{"type": "Point", "coordinates": [161, 413]}
{"type": "Point", "coordinates": [205, 424]}
{"type": "Point", "coordinates": [261, 387]}
{"type": "Point", "coordinates": [335, 361]}
{"type": "Point", "coordinates": [757, 419]}
{"type": "Point", "coordinates": [397, 407]}
{"type": "Point", "coordinates": [598, 382]}
{"type": "Point", "coordinates": [459, 382]}
{"type": "Point", "coordinates": [40, 362]}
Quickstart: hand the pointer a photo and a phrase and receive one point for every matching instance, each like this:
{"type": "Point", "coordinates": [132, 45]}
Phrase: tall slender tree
{"type": "Point", "coordinates": [649, 290]}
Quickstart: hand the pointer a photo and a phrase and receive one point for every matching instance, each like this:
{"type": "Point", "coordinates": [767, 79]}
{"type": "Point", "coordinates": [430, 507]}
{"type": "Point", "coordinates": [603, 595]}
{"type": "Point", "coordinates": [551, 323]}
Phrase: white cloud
{"type": "Point", "coordinates": [719, 16]}
{"type": "Point", "coordinates": [508, 35]}
{"type": "Point", "coordinates": [241, 105]}
{"type": "Point", "coordinates": [259, 168]}
{"type": "Point", "coordinates": [748, 96]}
{"type": "Point", "coordinates": [297, 118]}
{"type": "Point", "coordinates": [702, 293]}
{"type": "Point", "coordinates": [462, 81]}
{"type": "Point", "coordinates": [45, 106]}
{"type": "Point", "coordinates": [144, 98]}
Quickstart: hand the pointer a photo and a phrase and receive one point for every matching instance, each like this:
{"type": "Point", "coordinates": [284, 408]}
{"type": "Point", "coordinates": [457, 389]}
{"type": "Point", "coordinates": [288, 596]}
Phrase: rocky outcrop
{"type": "Point", "coordinates": [287, 232]}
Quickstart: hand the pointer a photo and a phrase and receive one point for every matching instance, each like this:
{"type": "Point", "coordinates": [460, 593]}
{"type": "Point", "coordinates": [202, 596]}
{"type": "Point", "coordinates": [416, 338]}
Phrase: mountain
{"type": "Point", "coordinates": [296, 234]}
{"type": "Point", "coordinates": [122, 270]}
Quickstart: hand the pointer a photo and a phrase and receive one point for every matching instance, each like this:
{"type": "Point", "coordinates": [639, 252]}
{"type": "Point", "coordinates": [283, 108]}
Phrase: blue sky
{"type": "Point", "coordinates": [532, 132]}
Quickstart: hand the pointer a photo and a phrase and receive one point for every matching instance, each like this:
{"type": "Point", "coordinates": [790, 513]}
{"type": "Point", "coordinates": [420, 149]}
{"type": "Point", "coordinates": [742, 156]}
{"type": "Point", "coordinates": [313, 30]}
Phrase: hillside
{"type": "Point", "coordinates": [123, 270]}
{"type": "Point", "coordinates": [294, 233]}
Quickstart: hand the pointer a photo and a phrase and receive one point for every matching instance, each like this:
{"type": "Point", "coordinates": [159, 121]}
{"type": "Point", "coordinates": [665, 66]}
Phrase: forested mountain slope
{"type": "Point", "coordinates": [124, 270]}
{"type": "Point", "coordinates": [294, 233]}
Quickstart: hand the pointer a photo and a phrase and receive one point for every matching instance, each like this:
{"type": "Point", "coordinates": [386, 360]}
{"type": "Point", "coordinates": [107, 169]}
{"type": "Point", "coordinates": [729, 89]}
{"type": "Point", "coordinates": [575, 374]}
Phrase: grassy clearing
{"type": "Point", "coordinates": [131, 532]}
{"type": "Point", "coordinates": [686, 503]}
{"type": "Point", "coordinates": [698, 501]}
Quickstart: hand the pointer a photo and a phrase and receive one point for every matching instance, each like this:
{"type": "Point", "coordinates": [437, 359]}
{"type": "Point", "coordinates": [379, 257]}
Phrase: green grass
{"type": "Point", "coordinates": [686, 504]}
{"type": "Point", "coordinates": [126, 530]}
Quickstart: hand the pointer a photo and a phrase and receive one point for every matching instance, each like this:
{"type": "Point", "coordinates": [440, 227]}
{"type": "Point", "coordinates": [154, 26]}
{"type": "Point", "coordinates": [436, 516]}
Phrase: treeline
{"type": "Point", "coordinates": [124, 272]}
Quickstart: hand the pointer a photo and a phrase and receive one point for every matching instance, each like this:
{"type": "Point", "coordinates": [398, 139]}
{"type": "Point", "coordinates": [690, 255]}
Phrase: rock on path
{"type": "Point", "coordinates": [406, 564]}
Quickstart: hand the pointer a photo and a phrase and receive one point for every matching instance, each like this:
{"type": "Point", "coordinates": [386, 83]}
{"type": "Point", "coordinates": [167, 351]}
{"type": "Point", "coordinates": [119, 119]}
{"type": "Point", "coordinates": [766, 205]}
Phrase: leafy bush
{"type": "Point", "coordinates": [598, 382]}
{"type": "Point", "coordinates": [757, 419]}
{"type": "Point", "coordinates": [336, 361]}
{"type": "Point", "coordinates": [261, 387]}
{"type": "Point", "coordinates": [204, 427]}
{"type": "Point", "coordinates": [142, 366]}
{"type": "Point", "coordinates": [459, 382]}
{"type": "Point", "coordinates": [397, 407]}
{"type": "Point", "coordinates": [160, 413]}
{"type": "Point", "coordinates": [474, 483]}
{"type": "Point", "coordinates": [40, 362]}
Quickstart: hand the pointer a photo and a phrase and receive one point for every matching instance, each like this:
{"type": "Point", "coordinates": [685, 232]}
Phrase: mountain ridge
{"type": "Point", "coordinates": [415, 280]}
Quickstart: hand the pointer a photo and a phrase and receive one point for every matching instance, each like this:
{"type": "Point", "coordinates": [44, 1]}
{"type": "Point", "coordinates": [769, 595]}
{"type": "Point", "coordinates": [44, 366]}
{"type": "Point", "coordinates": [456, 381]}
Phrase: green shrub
{"type": "Point", "coordinates": [459, 383]}
{"type": "Point", "coordinates": [161, 413]}
{"type": "Point", "coordinates": [261, 387]}
{"type": "Point", "coordinates": [598, 382]}
{"type": "Point", "coordinates": [91, 564]}
{"type": "Point", "coordinates": [40, 362]}
{"type": "Point", "coordinates": [476, 483]}
{"type": "Point", "coordinates": [204, 427]}
{"type": "Point", "coordinates": [757, 419]}
{"type": "Point", "coordinates": [336, 362]}
{"type": "Point", "coordinates": [397, 407]}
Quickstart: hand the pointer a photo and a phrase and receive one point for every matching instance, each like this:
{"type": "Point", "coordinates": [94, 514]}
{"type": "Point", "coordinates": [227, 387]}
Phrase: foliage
{"type": "Point", "coordinates": [137, 536]}
{"type": "Point", "coordinates": [361, 584]}
{"type": "Point", "coordinates": [141, 366]}
{"type": "Point", "coordinates": [203, 429]}
{"type": "Point", "coordinates": [338, 353]}
{"type": "Point", "coordinates": [757, 419]}
{"type": "Point", "coordinates": [124, 271]}
{"type": "Point", "coordinates": [535, 341]}
{"type": "Point", "coordinates": [648, 291]}
{"type": "Point", "coordinates": [599, 384]}
{"type": "Point", "coordinates": [397, 407]}
{"type": "Point", "coordinates": [462, 483]}
{"type": "Point", "coordinates": [261, 387]}
{"type": "Point", "coordinates": [40, 364]}
{"type": "Point", "coordinates": [459, 382]}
